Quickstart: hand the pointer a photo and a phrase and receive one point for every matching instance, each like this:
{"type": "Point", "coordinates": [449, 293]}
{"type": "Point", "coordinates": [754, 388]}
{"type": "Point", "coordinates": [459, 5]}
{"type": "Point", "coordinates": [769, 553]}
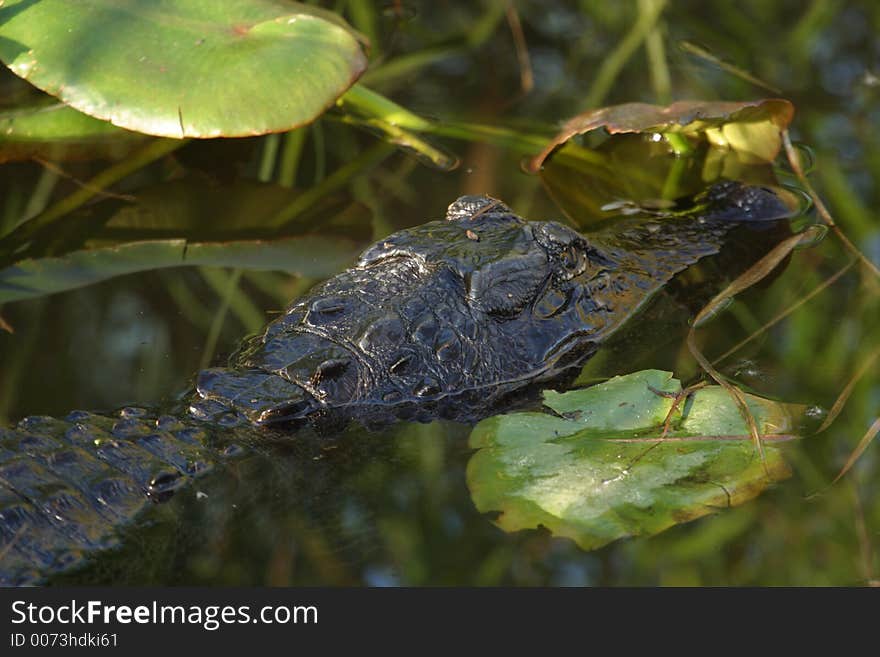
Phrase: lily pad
{"type": "Point", "coordinates": [640, 168]}
{"type": "Point", "coordinates": [598, 470]}
{"type": "Point", "coordinates": [201, 68]}
{"type": "Point", "coordinates": [752, 128]}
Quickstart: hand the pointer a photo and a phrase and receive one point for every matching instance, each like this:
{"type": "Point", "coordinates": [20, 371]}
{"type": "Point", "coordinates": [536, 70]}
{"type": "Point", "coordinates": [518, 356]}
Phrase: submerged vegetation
{"type": "Point", "coordinates": [174, 189]}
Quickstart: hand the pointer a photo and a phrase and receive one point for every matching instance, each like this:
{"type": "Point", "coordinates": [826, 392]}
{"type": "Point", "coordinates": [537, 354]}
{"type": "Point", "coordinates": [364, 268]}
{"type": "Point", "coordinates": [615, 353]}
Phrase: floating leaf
{"type": "Point", "coordinates": [55, 131]}
{"type": "Point", "coordinates": [203, 68]}
{"type": "Point", "coordinates": [637, 170]}
{"type": "Point", "coordinates": [597, 471]}
{"type": "Point", "coordinates": [752, 128]}
{"type": "Point", "coordinates": [639, 176]}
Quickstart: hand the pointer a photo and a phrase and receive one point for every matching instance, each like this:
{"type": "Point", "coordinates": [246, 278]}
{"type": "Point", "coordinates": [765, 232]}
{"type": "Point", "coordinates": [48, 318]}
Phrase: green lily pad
{"type": "Point", "coordinates": [200, 68]}
{"type": "Point", "coordinates": [598, 471]}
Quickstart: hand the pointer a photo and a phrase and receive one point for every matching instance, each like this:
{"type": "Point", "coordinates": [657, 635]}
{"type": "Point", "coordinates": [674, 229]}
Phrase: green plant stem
{"type": "Point", "coordinates": [656, 53]}
{"type": "Point", "coordinates": [678, 143]}
{"type": "Point", "coordinates": [649, 13]}
{"type": "Point", "coordinates": [320, 153]}
{"type": "Point", "coordinates": [361, 164]}
{"type": "Point", "coordinates": [42, 192]}
{"type": "Point", "coordinates": [361, 101]}
{"type": "Point", "coordinates": [267, 160]}
{"type": "Point", "coordinates": [400, 67]}
{"type": "Point", "coordinates": [290, 154]}
{"type": "Point", "coordinates": [363, 17]}
{"type": "Point", "coordinates": [484, 27]}
{"type": "Point", "coordinates": [189, 305]}
{"type": "Point", "coordinates": [407, 140]}
{"type": "Point", "coordinates": [677, 171]}
{"type": "Point", "coordinates": [231, 298]}
{"type": "Point", "coordinates": [225, 288]}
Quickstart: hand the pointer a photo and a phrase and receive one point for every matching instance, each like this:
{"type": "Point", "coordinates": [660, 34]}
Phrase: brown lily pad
{"type": "Point", "coordinates": [750, 127]}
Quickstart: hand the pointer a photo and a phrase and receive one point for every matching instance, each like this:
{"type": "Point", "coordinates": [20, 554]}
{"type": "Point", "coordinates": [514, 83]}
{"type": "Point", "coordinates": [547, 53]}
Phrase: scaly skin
{"type": "Point", "coordinates": [459, 318]}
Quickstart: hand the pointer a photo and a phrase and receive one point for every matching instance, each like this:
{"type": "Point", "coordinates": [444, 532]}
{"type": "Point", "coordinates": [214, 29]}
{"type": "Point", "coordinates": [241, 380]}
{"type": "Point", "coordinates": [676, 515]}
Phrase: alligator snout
{"type": "Point", "coordinates": [261, 397]}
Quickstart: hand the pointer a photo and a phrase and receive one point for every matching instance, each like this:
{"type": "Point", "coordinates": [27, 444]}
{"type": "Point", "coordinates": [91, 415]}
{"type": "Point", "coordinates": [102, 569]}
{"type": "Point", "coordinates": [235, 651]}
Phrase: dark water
{"type": "Point", "coordinates": [393, 507]}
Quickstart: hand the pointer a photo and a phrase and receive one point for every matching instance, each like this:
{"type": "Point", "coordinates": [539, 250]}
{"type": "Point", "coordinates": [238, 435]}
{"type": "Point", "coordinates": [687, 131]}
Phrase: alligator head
{"type": "Point", "coordinates": [451, 317]}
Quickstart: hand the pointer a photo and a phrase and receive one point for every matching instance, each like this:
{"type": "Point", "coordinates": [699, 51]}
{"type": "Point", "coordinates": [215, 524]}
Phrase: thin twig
{"type": "Point", "coordinates": [526, 77]}
{"type": "Point", "coordinates": [681, 396]}
{"type": "Point", "coordinates": [735, 393]}
{"type": "Point", "coordinates": [101, 193]}
{"type": "Point", "coordinates": [786, 312]}
{"type": "Point", "coordinates": [753, 275]}
{"type": "Point", "coordinates": [841, 400]}
{"type": "Point", "coordinates": [770, 437]}
{"type": "Point", "coordinates": [866, 550]}
{"type": "Point", "coordinates": [821, 210]}
{"type": "Point", "coordinates": [870, 434]}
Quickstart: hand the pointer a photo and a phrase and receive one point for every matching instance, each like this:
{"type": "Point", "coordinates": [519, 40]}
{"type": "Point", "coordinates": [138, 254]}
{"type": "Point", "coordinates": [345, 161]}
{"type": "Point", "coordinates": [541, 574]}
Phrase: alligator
{"type": "Point", "coordinates": [458, 318]}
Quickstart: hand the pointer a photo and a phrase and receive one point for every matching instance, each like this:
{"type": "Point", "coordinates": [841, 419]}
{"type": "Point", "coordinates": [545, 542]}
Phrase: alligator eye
{"type": "Point", "coordinates": [573, 261]}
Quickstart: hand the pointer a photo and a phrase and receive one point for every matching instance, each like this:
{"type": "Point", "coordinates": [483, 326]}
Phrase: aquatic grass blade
{"type": "Point", "coordinates": [307, 255]}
